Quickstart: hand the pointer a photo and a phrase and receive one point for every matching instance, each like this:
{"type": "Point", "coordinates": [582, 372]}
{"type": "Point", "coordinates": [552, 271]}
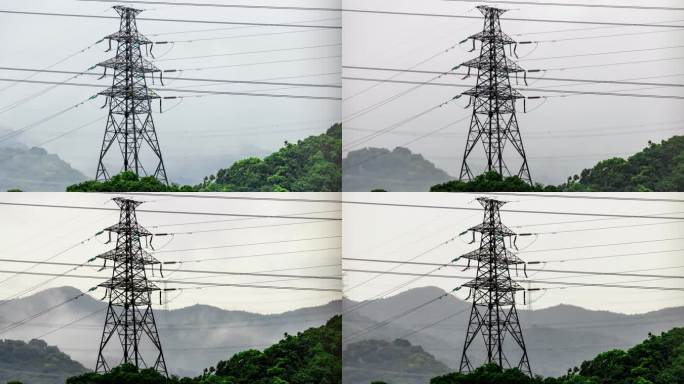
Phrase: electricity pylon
{"type": "Point", "coordinates": [494, 122]}
{"type": "Point", "coordinates": [129, 122]}
{"type": "Point", "coordinates": [493, 314]}
{"type": "Point", "coordinates": [129, 313]}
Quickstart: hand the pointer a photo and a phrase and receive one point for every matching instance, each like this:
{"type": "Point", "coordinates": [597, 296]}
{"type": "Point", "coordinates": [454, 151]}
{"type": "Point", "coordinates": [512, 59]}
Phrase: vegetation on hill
{"type": "Point", "coordinates": [397, 362]}
{"type": "Point", "coordinates": [658, 360]}
{"type": "Point", "coordinates": [491, 182]}
{"type": "Point", "coordinates": [35, 362]}
{"type": "Point", "coordinates": [313, 164]}
{"type": "Point", "coordinates": [397, 170]}
{"type": "Point", "coordinates": [658, 168]}
{"type": "Point", "coordinates": [311, 357]}
{"type": "Point", "coordinates": [34, 169]}
{"type": "Point", "coordinates": [128, 182]}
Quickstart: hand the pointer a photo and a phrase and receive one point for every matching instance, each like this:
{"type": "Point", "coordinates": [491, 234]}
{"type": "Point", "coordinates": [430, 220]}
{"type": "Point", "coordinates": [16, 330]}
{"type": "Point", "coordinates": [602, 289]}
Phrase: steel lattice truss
{"type": "Point", "coordinates": [129, 122]}
{"type": "Point", "coordinates": [494, 122]}
{"type": "Point", "coordinates": [129, 313]}
{"type": "Point", "coordinates": [493, 314]}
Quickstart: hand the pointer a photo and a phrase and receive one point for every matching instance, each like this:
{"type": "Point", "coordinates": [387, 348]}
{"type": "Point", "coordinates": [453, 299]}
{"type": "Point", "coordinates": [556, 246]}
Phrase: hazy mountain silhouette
{"type": "Point", "coordinates": [398, 170]}
{"type": "Point", "coordinates": [193, 338]}
{"type": "Point", "coordinates": [557, 338]}
{"type": "Point", "coordinates": [33, 168]}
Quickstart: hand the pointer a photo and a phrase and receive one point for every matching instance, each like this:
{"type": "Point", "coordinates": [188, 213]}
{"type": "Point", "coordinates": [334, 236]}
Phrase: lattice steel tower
{"type": "Point", "coordinates": [130, 123]}
{"type": "Point", "coordinates": [493, 314]}
{"type": "Point", "coordinates": [494, 122]}
{"type": "Point", "coordinates": [129, 313]}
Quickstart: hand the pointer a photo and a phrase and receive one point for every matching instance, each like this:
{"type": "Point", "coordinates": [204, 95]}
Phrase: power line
{"type": "Point", "coordinates": [400, 205]}
{"type": "Point", "coordinates": [560, 79]}
{"type": "Point", "coordinates": [218, 81]}
{"type": "Point", "coordinates": [219, 5]}
{"type": "Point", "coordinates": [545, 90]}
{"type": "Point", "coordinates": [592, 196]}
{"type": "Point", "coordinates": [201, 92]}
{"type": "Point", "coordinates": [393, 318]}
{"type": "Point", "coordinates": [181, 282]}
{"type": "Point", "coordinates": [586, 273]}
{"type": "Point", "coordinates": [171, 20]}
{"type": "Point", "coordinates": [585, 5]}
{"type": "Point", "coordinates": [58, 206]}
{"type": "Point", "coordinates": [603, 285]}
{"type": "Point", "coordinates": [366, 11]}
{"type": "Point", "coordinates": [227, 273]}
{"type": "Point", "coordinates": [250, 244]}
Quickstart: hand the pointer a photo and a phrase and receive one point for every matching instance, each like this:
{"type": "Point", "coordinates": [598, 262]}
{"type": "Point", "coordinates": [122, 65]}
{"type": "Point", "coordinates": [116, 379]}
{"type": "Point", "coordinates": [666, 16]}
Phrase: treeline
{"type": "Point", "coordinates": [658, 360]}
{"type": "Point", "coordinates": [310, 357]}
{"type": "Point", "coordinates": [313, 164]}
{"type": "Point", "coordinates": [658, 168]}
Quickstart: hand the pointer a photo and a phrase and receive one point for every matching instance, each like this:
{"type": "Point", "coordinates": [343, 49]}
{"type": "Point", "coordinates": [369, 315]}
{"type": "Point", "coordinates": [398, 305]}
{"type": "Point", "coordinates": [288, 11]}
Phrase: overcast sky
{"type": "Point", "coordinates": [397, 233]}
{"type": "Point", "coordinates": [199, 135]}
{"type": "Point", "coordinates": [562, 135]}
{"type": "Point", "coordinates": [297, 247]}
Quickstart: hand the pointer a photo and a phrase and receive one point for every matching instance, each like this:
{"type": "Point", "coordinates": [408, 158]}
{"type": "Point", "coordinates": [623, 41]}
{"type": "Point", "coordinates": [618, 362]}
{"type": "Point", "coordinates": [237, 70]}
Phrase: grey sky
{"type": "Point", "coordinates": [562, 136]}
{"type": "Point", "coordinates": [199, 135]}
{"type": "Point", "coordinates": [36, 234]}
{"type": "Point", "coordinates": [395, 233]}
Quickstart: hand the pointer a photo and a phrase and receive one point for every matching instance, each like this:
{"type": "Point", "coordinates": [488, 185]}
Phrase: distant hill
{"type": "Point", "coordinates": [396, 362]}
{"type": "Point", "coordinates": [398, 170]}
{"type": "Point", "coordinates": [312, 356]}
{"type": "Point", "coordinates": [34, 169]}
{"type": "Point", "coordinates": [35, 363]}
{"type": "Point", "coordinates": [658, 168]}
{"type": "Point", "coordinates": [581, 333]}
{"type": "Point", "coordinates": [212, 334]}
{"type": "Point", "coordinates": [310, 165]}
{"type": "Point", "coordinates": [658, 360]}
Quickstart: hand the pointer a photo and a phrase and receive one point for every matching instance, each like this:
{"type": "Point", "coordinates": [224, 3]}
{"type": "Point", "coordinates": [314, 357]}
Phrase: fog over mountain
{"type": "Point", "coordinates": [557, 338]}
{"type": "Point", "coordinates": [193, 338]}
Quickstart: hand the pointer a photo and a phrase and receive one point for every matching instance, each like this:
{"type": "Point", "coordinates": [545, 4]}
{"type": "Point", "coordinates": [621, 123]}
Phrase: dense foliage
{"type": "Point", "coordinates": [397, 362]}
{"type": "Point", "coordinates": [128, 182]}
{"type": "Point", "coordinates": [491, 182]}
{"type": "Point", "coordinates": [311, 357]}
{"type": "Point", "coordinates": [658, 360]}
{"type": "Point", "coordinates": [658, 168]}
{"type": "Point", "coordinates": [35, 362]}
{"type": "Point", "coordinates": [396, 170]}
{"type": "Point", "coordinates": [313, 165]}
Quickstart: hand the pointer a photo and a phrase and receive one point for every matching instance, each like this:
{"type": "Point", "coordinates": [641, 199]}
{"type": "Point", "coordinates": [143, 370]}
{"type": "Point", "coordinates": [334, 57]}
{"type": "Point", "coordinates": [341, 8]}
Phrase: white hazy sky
{"type": "Point", "coordinates": [199, 135]}
{"type": "Point", "coordinates": [396, 233]}
{"type": "Point", "coordinates": [35, 234]}
{"type": "Point", "coordinates": [562, 136]}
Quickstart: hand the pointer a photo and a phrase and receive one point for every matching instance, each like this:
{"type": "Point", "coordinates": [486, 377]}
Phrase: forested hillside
{"type": "Point", "coordinates": [658, 168]}
{"type": "Point", "coordinates": [310, 357]}
{"type": "Point", "coordinates": [35, 362]}
{"type": "Point", "coordinates": [658, 360]}
{"type": "Point", "coordinates": [313, 164]}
